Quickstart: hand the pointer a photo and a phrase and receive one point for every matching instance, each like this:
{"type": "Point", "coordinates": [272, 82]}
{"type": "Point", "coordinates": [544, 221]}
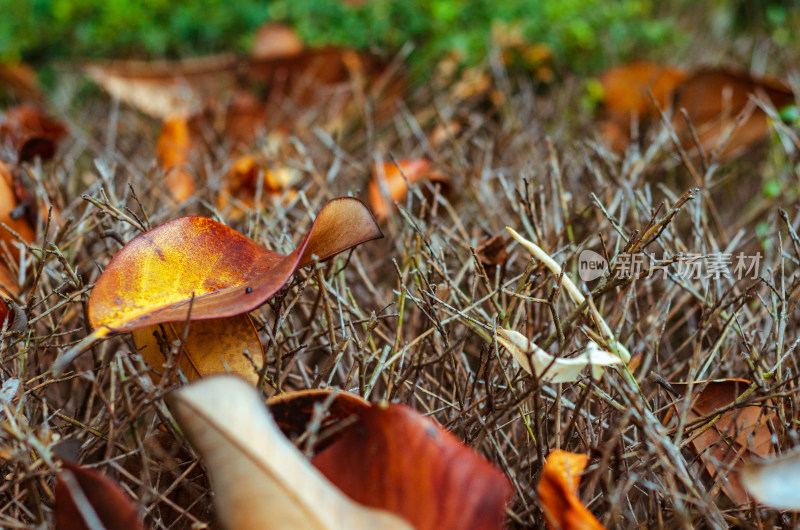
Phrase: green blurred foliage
{"type": "Point", "coordinates": [583, 34]}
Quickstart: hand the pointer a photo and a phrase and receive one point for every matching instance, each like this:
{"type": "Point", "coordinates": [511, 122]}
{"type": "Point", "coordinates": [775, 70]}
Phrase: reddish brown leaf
{"type": "Point", "coordinates": [396, 459]}
{"type": "Point", "coordinates": [31, 132]}
{"type": "Point", "coordinates": [242, 182]}
{"type": "Point", "coordinates": [194, 266]}
{"type": "Point", "coordinates": [294, 411]}
{"type": "Point", "coordinates": [390, 177]}
{"type": "Point", "coordinates": [713, 98]}
{"type": "Point", "coordinates": [557, 490]}
{"type": "Point", "coordinates": [735, 435]}
{"type": "Point", "coordinates": [85, 497]}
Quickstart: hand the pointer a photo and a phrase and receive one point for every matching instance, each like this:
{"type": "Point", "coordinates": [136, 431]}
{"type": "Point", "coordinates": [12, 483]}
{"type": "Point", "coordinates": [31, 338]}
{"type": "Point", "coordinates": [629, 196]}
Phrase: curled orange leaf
{"type": "Point", "coordinates": [557, 490]}
{"type": "Point", "coordinates": [172, 152]}
{"type": "Point", "coordinates": [195, 267]}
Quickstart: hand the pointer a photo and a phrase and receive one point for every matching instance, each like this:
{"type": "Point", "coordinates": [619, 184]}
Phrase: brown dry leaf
{"type": "Point", "coordinates": [164, 88]}
{"type": "Point", "coordinates": [734, 436]}
{"type": "Point", "coordinates": [493, 251]}
{"type": "Point", "coordinates": [557, 490]}
{"type": "Point", "coordinates": [260, 479]}
{"type": "Point", "coordinates": [713, 98]}
{"type": "Point", "coordinates": [212, 347]}
{"type": "Point", "coordinates": [86, 499]}
{"type": "Point", "coordinates": [775, 482]}
{"type": "Point", "coordinates": [274, 41]}
{"type": "Point", "coordinates": [196, 267]}
{"type": "Point", "coordinates": [294, 411]}
{"type": "Point", "coordinates": [396, 459]}
{"type": "Point", "coordinates": [390, 177]}
{"type": "Point", "coordinates": [30, 132]}
{"type": "Point", "coordinates": [173, 148]}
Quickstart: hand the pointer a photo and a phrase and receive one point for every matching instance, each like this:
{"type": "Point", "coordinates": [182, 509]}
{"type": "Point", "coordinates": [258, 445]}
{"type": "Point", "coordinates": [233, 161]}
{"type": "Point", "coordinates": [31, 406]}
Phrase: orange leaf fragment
{"type": "Point", "coordinates": [172, 152]}
{"type": "Point", "coordinates": [9, 202]}
{"type": "Point", "coordinates": [198, 268]}
{"type": "Point", "coordinates": [734, 436]}
{"type": "Point", "coordinates": [87, 499]}
{"type": "Point", "coordinates": [557, 490]}
{"type": "Point", "coordinates": [625, 88]}
{"type": "Point", "coordinates": [396, 459]}
{"type": "Point", "coordinates": [389, 176]}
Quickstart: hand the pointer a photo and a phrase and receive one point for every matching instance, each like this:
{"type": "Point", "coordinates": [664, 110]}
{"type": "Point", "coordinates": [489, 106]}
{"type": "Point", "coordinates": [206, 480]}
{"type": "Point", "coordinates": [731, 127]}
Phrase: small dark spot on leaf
{"type": "Point", "coordinates": [248, 290]}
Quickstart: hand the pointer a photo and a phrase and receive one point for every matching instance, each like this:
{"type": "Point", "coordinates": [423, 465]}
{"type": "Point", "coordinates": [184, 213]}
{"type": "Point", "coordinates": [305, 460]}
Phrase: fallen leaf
{"type": "Point", "coordinates": [87, 499]}
{"type": "Point", "coordinates": [9, 202]}
{"type": "Point", "coordinates": [557, 491]}
{"type": "Point", "coordinates": [392, 178]}
{"type": "Point", "coordinates": [214, 346]}
{"type": "Point", "coordinates": [396, 459]}
{"type": "Point", "coordinates": [165, 88]}
{"type": "Point", "coordinates": [714, 97]}
{"type": "Point", "coordinates": [274, 41]}
{"type": "Point", "coordinates": [626, 87]}
{"type": "Point", "coordinates": [196, 267]}
{"type": "Point", "coordinates": [775, 482]}
{"type": "Point", "coordinates": [293, 411]}
{"type": "Point", "coordinates": [260, 480]}
{"type": "Point", "coordinates": [551, 369]}
{"type": "Point", "coordinates": [172, 152]}
{"type": "Point", "coordinates": [492, 251]}
{"type": "Point", "coordinates": [735, 435]}
{"type": "Point", "coordinates": [30, 132]}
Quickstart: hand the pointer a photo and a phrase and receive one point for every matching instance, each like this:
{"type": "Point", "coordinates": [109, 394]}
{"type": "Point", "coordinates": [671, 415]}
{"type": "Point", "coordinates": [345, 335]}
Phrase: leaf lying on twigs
{"type": "Point", "coordinates": [551, 369]}
{"type": "Point", "coordinates": [775, 482]}
{"type": "Point", "coordinates": [197, 268]}
{"type": "Point", "coordinates": [86, 499]}
{"type": "Point", "coordinates": [214, 346]}
{"type": "Point", "coordinates": [714, 98]}
{"type": "Point", "coordinates": [260, 479]}
{"type": "Point", "coordinates": [557, 490]}
{"type": "Point", "coordinates": [729, 437]}
{"type": "Point", "coordinates": [394, 458]}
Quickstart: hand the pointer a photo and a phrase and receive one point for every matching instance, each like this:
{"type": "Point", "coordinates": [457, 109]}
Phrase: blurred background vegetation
{"type": "Point", "coordinates": [583, 35]}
